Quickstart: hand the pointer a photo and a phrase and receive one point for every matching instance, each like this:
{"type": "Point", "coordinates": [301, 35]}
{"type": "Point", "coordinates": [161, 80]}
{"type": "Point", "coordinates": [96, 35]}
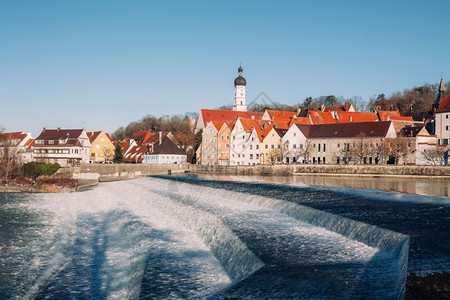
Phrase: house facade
{"type": "Point", "coordinates": [19, 143]}
{"type": "Point", "coordinates": [224, 144]}
{"type": "Point", "coordinates": [165, 152]}
{"type": "Point", "coordinates": [102, 148]}
{"type": "Point", "coordinates": [67, 147]}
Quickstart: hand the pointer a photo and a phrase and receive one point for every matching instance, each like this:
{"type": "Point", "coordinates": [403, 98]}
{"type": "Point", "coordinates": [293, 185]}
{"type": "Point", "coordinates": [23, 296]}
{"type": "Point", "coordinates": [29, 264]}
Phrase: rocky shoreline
{"type": "Point", "coordinates": [44, 184]}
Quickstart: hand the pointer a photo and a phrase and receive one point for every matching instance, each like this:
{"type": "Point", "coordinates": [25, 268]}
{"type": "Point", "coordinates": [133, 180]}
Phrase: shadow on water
{"type": "Point", "coordinates": [88, 273]}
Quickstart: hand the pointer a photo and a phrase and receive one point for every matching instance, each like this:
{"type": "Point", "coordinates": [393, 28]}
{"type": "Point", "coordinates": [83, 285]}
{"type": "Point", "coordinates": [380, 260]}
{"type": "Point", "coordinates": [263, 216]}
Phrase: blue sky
{"type": "Point", "coordinates": [103, 64]}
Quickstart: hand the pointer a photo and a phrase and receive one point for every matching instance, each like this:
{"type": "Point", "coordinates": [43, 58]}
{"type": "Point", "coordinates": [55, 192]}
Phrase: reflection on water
{"type": "Point", "coordinates": [419, 186]}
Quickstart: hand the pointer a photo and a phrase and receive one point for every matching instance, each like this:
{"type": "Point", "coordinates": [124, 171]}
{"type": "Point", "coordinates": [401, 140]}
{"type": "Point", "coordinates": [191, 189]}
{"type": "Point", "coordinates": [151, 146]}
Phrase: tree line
{"type": "Point", "coordinates": [175, 124]}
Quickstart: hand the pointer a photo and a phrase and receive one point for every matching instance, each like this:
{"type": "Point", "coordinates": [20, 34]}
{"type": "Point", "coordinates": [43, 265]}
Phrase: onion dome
{"type": "Point", "coordinates": [240, 80]}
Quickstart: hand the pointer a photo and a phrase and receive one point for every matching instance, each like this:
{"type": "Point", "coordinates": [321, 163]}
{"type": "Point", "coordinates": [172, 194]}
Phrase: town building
{"type": "Point", "coordinates": [209, 143]}
{"type": "Point", "coordinates": [102, 148]}
{"type": "Point", "coordinates": [337, 143]}
{"type": "Point", "coordinates": [19, 144]}
{"type": "Point", "coordinates": [224, 143]}
{"type": "Point", "coordinates": [67, 147]}
{"type": "Point", "coordinates": [165, 152]}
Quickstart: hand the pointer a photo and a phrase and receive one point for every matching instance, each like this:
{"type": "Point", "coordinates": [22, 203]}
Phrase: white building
{"type": "Point", "coordinates": [63, 146]}
{"type": "Point", "coordinates": [21, 142]}
{"type": "Point", "coordinates": [165, 153]}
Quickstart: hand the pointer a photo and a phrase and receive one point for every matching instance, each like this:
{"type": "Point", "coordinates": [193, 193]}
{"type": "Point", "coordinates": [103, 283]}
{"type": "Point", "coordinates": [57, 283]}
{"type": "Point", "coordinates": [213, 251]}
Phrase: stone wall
{"type": "Point", "coordinates": [108, 172]}
{"type": "Point", "coordinates": [286, 170]}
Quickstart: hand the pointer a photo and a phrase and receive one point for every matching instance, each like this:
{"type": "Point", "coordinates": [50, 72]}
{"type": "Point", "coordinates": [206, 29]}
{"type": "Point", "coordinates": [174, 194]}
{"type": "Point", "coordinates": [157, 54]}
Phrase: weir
{"type": "Point", "coordinates": [160, 238]}
{"type": "Point", "coordinates": [389, 243]}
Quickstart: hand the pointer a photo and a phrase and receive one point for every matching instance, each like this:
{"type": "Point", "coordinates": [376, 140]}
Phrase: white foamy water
{"type": "Point", "coordinates": [159, 239]}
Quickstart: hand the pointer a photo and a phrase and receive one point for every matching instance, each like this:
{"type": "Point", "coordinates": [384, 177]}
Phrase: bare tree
{"type": "Point", "coordinates": [397, 149]}
{"type": "Point", "coordinates": [274, 156]}
{"type": "Point", "coordinates": [435, 156]}
{"type": "Point", "coordinates": [304, 152]}
{"type": "Point", "coordinates": [361, 148]}
{"type": "Point", "coordinates": [10, 160]}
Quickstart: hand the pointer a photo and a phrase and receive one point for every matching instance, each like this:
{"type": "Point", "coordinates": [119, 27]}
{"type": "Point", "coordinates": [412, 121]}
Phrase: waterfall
{"type": "Point", "coordinates": [388, 242]}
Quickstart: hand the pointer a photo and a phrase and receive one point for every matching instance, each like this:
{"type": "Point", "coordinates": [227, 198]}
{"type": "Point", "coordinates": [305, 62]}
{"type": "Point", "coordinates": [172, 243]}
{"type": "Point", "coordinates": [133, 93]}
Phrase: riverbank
{"type": "Point", "coordinates": [44, 184]}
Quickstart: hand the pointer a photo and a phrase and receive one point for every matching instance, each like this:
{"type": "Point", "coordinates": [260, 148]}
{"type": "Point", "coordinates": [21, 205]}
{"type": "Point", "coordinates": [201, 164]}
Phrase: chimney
{"type": "Point", "coordinates": [253, 117]}
{"type": "Point", "coordinates": [295, 117]}
{"type": "Point", "coordinates": [160, 137]}
{"type": "Point", "coordinates": [351, 119]}
{"type": "Point", "coordinates": [299, 110]}
{"type": "Point", "coordinates": [43, 129]}
{"type": "Point", "coordinates": [58, 129]}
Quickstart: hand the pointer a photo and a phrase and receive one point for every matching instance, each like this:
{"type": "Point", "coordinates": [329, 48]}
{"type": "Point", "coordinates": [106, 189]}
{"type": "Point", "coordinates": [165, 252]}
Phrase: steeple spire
{"type": "Point", "coordinates": [442, 86]}
{"type": "Point", "coordinates": [441, 93]}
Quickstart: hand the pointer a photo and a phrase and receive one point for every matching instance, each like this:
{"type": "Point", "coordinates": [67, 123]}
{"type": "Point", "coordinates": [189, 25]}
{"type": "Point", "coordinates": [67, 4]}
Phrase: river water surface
{"type": "Point", "coordinates": [184, 237]}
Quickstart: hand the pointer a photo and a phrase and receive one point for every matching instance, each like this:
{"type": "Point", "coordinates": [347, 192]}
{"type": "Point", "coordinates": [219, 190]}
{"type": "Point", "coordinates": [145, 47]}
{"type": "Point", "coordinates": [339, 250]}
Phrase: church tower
{"type": "Point", "coordinates": [239, 92]}
{"type": "Point", "coordinates": [441, 93]}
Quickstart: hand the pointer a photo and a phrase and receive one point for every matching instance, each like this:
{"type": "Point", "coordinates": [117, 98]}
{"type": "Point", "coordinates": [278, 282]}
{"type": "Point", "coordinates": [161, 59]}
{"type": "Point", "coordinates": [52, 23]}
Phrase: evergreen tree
{"type": "Point", "coordinates": [118, 154]}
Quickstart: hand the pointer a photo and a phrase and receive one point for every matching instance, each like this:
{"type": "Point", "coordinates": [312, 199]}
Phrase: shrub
{"type": "Point", "coordinates": [36, 169]}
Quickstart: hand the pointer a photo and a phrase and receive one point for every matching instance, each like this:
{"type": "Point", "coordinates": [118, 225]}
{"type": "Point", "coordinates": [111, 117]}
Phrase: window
{"type": "Point", "coordinates": [301, 146]}
{"type": "Point", "coordinates": [324, 160]}
{"type": "Point", "coordinates": [447, 116]}
{"type": "Point", "coordinates": [243, 137]}
{"type": "Point", "coordinates": [272, 146]}
{"type": "Point", "coordinates": [234, 137]}
{"type": "Point", "coordinates": [228, 137]}
{"type": "Point", "coordinates": [266, 146]}
{"type": "Point", "coordinates": [257, 147]}
{"type": "Point", "coordinates": [324, 148]}
{"type": "Point", "coordinates": [318, 147]}
{"type": "Point", "coordinates": [338, 145]}
{"type": "Point", "coordinates": [257, 156]}
{"type": "Point", "coordinates": [278, 146]}
{"type": "Point", "coordinates": [221, 137]}
{"type": "Point", "coordinates": [294, 146]}
{"type": "Point", "coordinates": [206, 140]}
{"type": "Point", "coordinates": [295, 134]}
{"type": "Point", "coordinates": [251, 156]}
{"type": "Point", "coordinates": [251, 147]}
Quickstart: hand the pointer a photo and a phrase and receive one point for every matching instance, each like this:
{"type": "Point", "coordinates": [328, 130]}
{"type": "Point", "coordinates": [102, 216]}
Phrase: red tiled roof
{"type": "Point", "coordinates": [345, 130]}
{"type": "Point", "coordinates": [143, 136]}
{"type": "Point", "coordinates": [14, 135]}
{"type": "Point", "coordinates": [217, 124]}
{"type": "Point", "coordinates": [344, 107]}
{"type": "Point", "coordinates": [135, 154]}
{"type": "Point", "coordinates": [56, 134]}
{"type": "Point", "coordinates": [392, 115]}
{"type": "Point", "coordinates": [346, 117]}
{"type": "Point", "coordinates": [92, 135]}
{"type": "Point", "coordinates": [279, 114]}
{"type": "Point", "coordinates": [299, 120]}
{"type": "Point", "coordinates": [444, 105]}
{"type": "Point", "coordinates": [226, 115]}
{"type": "Point", "coordinates": [319, 117]}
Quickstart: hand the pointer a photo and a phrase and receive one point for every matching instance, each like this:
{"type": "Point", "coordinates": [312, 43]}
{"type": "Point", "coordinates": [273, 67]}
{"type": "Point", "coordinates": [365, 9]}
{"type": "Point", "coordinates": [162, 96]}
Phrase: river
{"type": "Point", "coordinates": [187, 237]}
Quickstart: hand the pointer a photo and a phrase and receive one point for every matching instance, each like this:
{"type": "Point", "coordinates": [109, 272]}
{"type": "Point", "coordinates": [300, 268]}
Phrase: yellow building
{"type": "Point", "coordinates": [102, 150]}
{"type": "Point", "coordinates": [271, 151]}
